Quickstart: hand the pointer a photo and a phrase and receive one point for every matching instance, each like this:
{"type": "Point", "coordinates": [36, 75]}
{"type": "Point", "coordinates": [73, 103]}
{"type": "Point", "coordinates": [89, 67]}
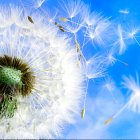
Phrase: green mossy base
{"type": "Point", "coordinates": [10, 76]}
{"type": "Point", "coordinates": [8, 107]}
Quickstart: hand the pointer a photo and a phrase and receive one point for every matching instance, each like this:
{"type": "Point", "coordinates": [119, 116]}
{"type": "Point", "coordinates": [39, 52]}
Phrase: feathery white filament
{"type": "Point", "coordinates": [134, 87]}
{"type": "Point", "coordinates": [121, 40]}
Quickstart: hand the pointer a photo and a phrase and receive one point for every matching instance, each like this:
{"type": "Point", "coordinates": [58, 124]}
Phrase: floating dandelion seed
{"type": "Point", "coordinates": [91, 19]}
{"type": "Point", "coordinates": [134, 102]}
{"type": "Point", "coordinates": [124, 11]}
{"type": "Point", "coordinates": [133, 35]}
{"type": "Point", "coordinates": [133, 86]}
{"type": "Point", "coordinates": [71, 8]}
{"type": "Point", "coordinates": [98, 31]}
{"type": "Point", "coordinates": [72, 18]}
{"type": "Point", "coordinates": [40, 81]}
{"type": "Point", "coordinates": [32, 3]}
{"type": "Point", "coordinates": [121, 40]}
{"type": "Point", "coordinates": [60, 27]}
{"type": "Point", "coordinates": [111, 59]}
{"type": "Point", "coordinates": [96, 67]}
{"type": "Point", "coordinates": [109, 85]}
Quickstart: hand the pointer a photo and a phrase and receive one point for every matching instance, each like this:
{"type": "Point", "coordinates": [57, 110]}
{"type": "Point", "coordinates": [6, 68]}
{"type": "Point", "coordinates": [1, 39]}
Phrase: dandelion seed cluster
{"type": "Point", "coordinates": [41, 83]}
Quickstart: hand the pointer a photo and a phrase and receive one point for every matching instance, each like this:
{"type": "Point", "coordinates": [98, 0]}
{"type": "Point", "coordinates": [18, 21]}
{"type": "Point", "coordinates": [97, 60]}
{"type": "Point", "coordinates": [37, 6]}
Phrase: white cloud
{"type": "Point", "coordinates": [99, 109]}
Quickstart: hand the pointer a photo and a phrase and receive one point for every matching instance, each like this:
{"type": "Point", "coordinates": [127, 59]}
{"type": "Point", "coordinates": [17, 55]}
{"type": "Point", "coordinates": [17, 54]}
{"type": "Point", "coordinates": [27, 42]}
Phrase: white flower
{"type": "Point", "coordinates": [56, 93]}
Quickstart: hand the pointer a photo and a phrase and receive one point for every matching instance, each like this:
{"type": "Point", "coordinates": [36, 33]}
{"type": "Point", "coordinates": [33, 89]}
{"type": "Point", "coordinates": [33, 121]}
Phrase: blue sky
{"type": "Point", "coordinates": [100, 105]}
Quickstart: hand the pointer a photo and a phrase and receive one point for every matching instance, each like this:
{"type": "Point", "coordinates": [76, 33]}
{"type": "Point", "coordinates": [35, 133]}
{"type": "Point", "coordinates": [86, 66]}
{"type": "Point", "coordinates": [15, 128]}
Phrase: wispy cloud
{"type": "Point", "coordinates": [99, 109]}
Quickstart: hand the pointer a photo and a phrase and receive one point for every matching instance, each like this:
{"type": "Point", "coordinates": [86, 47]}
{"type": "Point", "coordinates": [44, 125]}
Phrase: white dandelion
{"type": "Point", "coordinates": [41, 84]}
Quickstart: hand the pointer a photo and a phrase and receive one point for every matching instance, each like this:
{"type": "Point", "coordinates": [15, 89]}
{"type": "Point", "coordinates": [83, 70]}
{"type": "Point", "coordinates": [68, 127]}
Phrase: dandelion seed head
{"type": "Point", "coordinates": [53, 62]}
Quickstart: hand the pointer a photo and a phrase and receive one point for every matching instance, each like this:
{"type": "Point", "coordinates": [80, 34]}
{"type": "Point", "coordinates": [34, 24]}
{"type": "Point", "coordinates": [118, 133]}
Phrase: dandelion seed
{"type": "Point", "coordinates": [95, 67]}
{"type": "Point", "coordinates": [134, 101]}
{"type": "Point", "coordinates": [73, 25]}
{"type": "Point", "coordinates": [116, 114]}
{"type": "Point", "coordinates": [71, 8]}
{"type": "Point", "coordinates": [60, 27]}
{"type": "Point", "coordinates": [97, 32]}
{"type": "Point", "coordinates": [39, 3]}
{"type": "Point", "coordinates": [30, 19]}
{"type": "Point", "coordinates": [133, 33]}
{"type": "Point", "coordinates": [72, 11]}
{"type": "Point", "coordinates": [83, 113]}
{"type": "Point", "coordinates": [63, 19]}
{"type": "Point", "coordinates": [111, 59]}
{"type": "Point", "coordinates": [92, 18]}
{"type": "Point", "coordinates": [78, 49]}
{"type": "Point", "coordinates": [109, 86]}
{"type": "Point", "coordinates": [125, 11]}
{"type": "Point", "coordinates": [32, 3]}
{"type": "Point", "coordinates": [121, 40]}
{"type": "Point", "coordinates": [133, 86]}
{"type": "Point", "coordinates": [108, 121]}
